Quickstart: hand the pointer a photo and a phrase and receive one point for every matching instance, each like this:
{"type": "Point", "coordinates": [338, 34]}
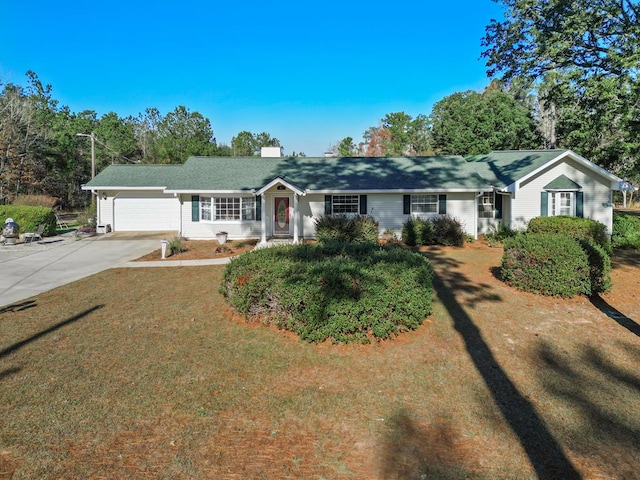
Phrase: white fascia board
{"type": "Point", "coordinates": [573, 156]}
{"type": "Point", "coordinates": [117, 189]}
{"type": "Point", "coordinates": [280, 181]}
{"type": "Point", "coordinates": [211, 192]}
{"type": "Point", "coordinates": [400, 190]}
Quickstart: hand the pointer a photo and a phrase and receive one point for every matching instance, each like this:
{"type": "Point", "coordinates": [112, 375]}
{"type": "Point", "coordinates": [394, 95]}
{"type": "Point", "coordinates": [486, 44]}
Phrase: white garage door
{"type": "Point", "coordinates": [146, 211]}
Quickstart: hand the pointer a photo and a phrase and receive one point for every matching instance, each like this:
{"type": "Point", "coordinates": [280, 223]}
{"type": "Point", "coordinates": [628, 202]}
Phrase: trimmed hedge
{"type": "Point", "coordinates": [555, 265]}
{"type": "Point", "coordinates": [441, 230]}
{"type": "Point", "coordinates": [578, 228]}
{"type": "Point", "coordinates": [626, 231]}
{"type": "Point", "coordinates": [346, 229]}
{"type": "Point", "coordinates": [29, 218]}
{"type": "Point", "coordinates": [339, 292]}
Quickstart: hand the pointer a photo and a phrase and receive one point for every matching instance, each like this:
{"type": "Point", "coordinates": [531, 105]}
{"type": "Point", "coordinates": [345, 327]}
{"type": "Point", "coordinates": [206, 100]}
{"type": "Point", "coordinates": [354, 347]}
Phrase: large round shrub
{"type": "Point", "coordinates": [546, 263]}
{"type": "Point", "coordinates": [340, 292]}
{"type": "Point", "coordinates": [578, 228]}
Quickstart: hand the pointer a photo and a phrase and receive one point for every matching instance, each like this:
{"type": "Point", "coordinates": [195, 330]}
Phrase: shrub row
{"type": "Point", "coordinates": [626, 231]}
{"type": "Point", "coordinates": [441, 230]}
{"type": "Point", "coordinates": [556, 265]}
{"type": "Point", "coordinates": [346, 229]}
{"type": "Point", "coordinates": [29, 218]}
{"type": "Point", "coordinates": [574, 227]}
{"type": "Point", "coordinates": [339, 292]}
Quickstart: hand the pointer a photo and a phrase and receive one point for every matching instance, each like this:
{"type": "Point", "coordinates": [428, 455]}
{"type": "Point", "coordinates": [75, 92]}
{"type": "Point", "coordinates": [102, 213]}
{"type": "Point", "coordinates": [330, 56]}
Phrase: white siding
{"type": "Point", "coordinates": [596, 189]}
{"type": "Point", "coordinates": [207, 230]}
{"type": "Point", "coordinates": [387, 209]}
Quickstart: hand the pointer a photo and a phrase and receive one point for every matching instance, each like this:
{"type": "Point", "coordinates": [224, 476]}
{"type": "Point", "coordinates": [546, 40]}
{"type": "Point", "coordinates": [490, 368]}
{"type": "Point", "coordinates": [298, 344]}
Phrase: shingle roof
{"type": "Point", "coordinates": [562, 183]}
{"type": "Point", "coordinates": [309, 173]}
{"type": "Point", "coordinates": [131, 176]}
{"type": "Point", "coordinates": [504, 168]}
{"type": "Point", "coordinates": [209, 174]}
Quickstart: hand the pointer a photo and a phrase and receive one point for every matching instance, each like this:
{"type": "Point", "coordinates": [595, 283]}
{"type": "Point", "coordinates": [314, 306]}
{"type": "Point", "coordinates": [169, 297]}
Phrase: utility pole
{"type": "Point", "coordinates": [93, 151]}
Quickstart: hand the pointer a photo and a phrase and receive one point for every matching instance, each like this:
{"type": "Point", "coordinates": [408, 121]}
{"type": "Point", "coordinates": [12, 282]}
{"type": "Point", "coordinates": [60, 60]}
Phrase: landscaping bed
{"type": "Point", "coordinates": [204, 249]}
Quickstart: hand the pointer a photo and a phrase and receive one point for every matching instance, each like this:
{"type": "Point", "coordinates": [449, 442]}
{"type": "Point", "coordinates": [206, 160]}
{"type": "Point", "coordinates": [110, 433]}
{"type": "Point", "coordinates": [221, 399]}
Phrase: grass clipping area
{"type": "Point", "coordinates": [336, 292]}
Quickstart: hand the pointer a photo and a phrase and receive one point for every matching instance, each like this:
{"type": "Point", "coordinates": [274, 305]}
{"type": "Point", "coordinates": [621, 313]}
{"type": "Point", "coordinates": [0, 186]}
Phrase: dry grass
{"type": "Point", "coordinates": [144, 373]}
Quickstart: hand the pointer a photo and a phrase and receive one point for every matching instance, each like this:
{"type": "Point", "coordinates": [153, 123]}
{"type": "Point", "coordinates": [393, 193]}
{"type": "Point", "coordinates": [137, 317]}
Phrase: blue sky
{"type": "Point", "coordinates": [308, 72]}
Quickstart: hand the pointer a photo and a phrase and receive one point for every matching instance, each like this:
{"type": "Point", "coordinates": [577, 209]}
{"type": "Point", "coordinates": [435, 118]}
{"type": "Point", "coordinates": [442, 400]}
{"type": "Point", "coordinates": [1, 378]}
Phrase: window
{"type": "Point", "coordinates": [205, 208]}
{"type": "Point", "coordinates": [227, 208]}
{"type": "Point", "coordinates": [569, 203]}
{"type": "Point", "coordinates": [561, 203]}
{"type": "Point", "coordinates": [485, 205]}
{"type": "Point", "coordinates": [248, 209]}
{"type": "Point", "coordinates": [424, 203]}
{"type": "Point", "coordinates": [345, 204]}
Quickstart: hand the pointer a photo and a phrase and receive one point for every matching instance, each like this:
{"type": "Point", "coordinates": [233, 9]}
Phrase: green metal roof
{"type": "Point", "coordinates": [562, 183]}
{"type": "Point", "coordinates": [497, 169]}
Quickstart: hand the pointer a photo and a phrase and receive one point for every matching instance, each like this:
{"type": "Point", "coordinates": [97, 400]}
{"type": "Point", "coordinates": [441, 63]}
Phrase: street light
{"type": "Point", "coordinates": [92, 136]}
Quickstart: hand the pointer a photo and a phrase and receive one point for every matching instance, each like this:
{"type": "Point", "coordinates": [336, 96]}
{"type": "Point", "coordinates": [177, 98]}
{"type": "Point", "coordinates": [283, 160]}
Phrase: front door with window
{"type": "Point", "coordinates": [281, 216]}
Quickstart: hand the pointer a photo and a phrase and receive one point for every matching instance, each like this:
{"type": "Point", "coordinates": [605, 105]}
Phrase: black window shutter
{"type": "Point", "coordinates": [195, 208]}
{"type": "Point", "coordinates": [406, 204]}
{"type": "Point", "coordinates": [580, 204]}
{"type": "Point", "coordinates": [363, 204]}
{"type": "Point", "coordinates": [498, 205]}
{"type": "Point", "coordinates": [259, 207]}
{"type": "Point", "coordinates": [544, 204]}
{"type": "Point", "coordinates": [327, 204]}
{"type": "Point", "coordinates": [442, 204]}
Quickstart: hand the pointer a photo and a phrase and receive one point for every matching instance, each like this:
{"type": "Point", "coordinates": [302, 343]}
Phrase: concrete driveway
{"type": "Point", "coordinates": [30, 269]}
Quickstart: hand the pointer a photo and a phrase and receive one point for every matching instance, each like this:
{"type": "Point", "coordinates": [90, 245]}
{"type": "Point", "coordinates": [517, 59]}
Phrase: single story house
{"type": "Point", "coordinates": [254, 197]}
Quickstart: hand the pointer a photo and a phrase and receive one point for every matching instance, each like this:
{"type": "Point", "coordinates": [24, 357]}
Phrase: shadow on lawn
{"type": "Point", "coordinates": [604, 393]}
{"type": "Point", "coordinates": [423, 450]}
{"type": "Point", "coordinates": [613, 313]}
{"type": "Point", "coordinates": [53, 328]}
{"type": "Point", "coordinates": [18, 307]}
{"type": "Point", "coordinates": [544, 452]}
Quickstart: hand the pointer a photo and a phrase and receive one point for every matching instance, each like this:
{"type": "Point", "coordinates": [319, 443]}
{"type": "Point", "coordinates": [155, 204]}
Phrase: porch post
{"type": "Point", "coordinates": [263, 220]}
{"type": "Point", "coordinates": [295, 217]}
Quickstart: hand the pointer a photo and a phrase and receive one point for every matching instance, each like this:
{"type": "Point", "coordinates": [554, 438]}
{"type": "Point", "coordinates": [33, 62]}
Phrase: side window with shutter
{"type": "Point", "coordinates": [327, 204]}
{"type": "Point", "coordinates": [363, 204]}
{"type": "Point", "coordinates": [406, 204]}
{"type": "Point", "coordinates": [195, 208]}
{"type": "Point", "coordinates": [544, 204]}
{"type": "Point", "coordinates": [442, 204]}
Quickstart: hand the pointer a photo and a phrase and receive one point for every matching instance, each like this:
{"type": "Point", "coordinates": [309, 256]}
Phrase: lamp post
{"type": "Point", "coordinates": [92, 136]}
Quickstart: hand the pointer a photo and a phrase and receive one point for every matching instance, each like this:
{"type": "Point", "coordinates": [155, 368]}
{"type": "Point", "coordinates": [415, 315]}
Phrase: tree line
{"type": "Point", "coordinates": [563, 75]}
{"type": "Point", "coordinates": [44, 147]}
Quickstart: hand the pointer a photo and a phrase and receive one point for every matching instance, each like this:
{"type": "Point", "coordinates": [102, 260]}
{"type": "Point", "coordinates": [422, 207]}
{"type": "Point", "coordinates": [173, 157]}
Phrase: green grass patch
{"type": "Point", "coordinates": [340, 292]}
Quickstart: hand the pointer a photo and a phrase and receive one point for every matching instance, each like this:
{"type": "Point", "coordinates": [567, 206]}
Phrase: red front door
{"type": "Point", "coordinates": [281, 216]}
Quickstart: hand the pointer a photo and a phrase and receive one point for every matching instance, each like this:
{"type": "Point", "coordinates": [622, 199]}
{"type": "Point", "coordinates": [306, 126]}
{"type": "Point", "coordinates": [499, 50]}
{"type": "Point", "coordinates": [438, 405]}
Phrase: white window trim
{"type": "Point", "coordinates": [482, 206]}
{"type": "Point", "coordinates": [555, 196]}
{"type": "Point", "coordinates": [357, 205]}
{"type": "Point", "coordinates": [414, 201]}
{"type": "Point", "coordinates": [211, 201]}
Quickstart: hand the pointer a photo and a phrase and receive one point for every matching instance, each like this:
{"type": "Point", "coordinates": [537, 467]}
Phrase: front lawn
{"type": "Point", "coordinates": [145, 373]}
